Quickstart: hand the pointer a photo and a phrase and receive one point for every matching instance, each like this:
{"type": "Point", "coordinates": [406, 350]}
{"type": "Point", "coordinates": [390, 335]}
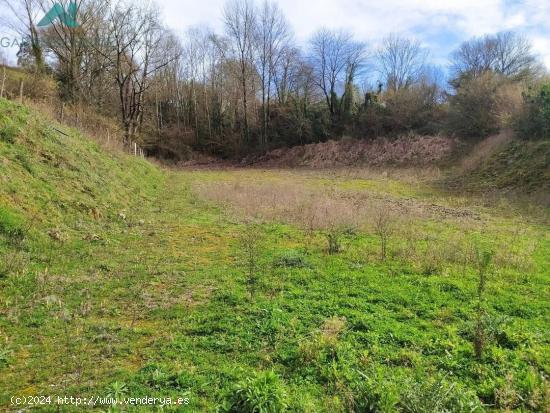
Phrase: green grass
{"type": "Point", "coordinates": [522, 166]}
{"type": "Point", "coordinates": [116, 279]}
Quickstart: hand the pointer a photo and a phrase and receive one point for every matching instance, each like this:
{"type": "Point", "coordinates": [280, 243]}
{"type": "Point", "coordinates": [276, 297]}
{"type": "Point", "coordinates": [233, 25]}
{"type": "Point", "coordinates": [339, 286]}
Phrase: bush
{"type": "Point", "coordinates": [409, 109]}
{"type": "Point", "coordinates": [473, 109]}
{"type": "Point", "coordinates": [263, 393]}
{"type": "Point", "coordinates": [534, 120]}
{"type": "Point", "coordinates": [414, 109]}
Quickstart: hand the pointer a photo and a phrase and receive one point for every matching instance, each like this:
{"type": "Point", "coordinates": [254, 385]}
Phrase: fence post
{"type": "Point", "coordinates": [135, 149]}
{"type": "Point", "coordinates": [21, 91]}
{"type": "Point", "coordinates": [3, 81]}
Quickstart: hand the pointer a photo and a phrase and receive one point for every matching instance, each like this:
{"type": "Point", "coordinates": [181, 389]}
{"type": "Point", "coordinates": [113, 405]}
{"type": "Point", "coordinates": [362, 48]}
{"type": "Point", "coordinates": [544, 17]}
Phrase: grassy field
{"type": "Point", "coordinates": [261, 291]}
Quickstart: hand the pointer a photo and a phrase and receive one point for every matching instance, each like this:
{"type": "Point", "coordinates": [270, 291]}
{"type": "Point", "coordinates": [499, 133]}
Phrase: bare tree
{"type": "Point", "coordinates": [513, 55]}
{"type": "Point", "coordinates": [240, 23]}
{"type": "Point", "coordinates": [69, 44]}
{"type": "Point", "coordinates": [287, 64]}
{"type": "Point", "coordinates": [335, 57]}
{"type": "Point", "coordinates": [505, 53]}
{"type": "Point", "coordinates": [138, 47]}
{"type": "Point", "coordinates": [23, 21]}
{"type": "Point", "coordinates": [272, 39]}
{"type": "Point", "coordinates": [400, 62]}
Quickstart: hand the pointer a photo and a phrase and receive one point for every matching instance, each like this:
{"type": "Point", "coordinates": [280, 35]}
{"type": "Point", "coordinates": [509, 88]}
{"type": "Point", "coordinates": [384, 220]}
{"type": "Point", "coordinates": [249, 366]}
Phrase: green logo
{"type": "Point", "coordinates": [66, 17]}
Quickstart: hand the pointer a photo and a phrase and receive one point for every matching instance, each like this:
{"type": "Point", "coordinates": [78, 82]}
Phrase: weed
{"type": "Point", "coordinates": [437, 395]}
{"type": "Point", "coordinates": [262, 393]}
{"type": "Point", "coordinates": [117, 390]}
{"type": "Point", "coordinates": [483, 261]}
{"type": "Point", "coordinates": [291, 259]}
{"type": "Point", "coordinates": [333, 238]}
{"type": "Point", "coordinates": [324, 343]}
{"type": "Point", "coordinates": [375, 393]}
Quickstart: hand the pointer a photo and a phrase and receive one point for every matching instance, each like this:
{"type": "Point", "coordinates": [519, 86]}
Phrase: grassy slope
{"type": "Point", "coordinates": [60, 200]}
{"type": "Point", "coordinates": [522, 166]}
{"type": "Point", "coordinates": [157, 304]}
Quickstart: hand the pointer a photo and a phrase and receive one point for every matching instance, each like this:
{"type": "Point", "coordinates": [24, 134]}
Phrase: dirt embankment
{"type": "Point", "coordinates": [404, 151]}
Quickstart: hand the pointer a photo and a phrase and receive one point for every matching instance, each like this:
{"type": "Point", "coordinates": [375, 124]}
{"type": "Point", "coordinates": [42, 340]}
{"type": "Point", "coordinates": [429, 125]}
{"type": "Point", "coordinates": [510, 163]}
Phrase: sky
{"type": "Point", "coordinates": [440, 25]}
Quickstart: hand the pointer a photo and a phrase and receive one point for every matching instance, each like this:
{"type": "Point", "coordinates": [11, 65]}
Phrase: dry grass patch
{"type": "Point", "coordinates": [325, 209]}
{"type": "Point", "coordinates": [329, 211]}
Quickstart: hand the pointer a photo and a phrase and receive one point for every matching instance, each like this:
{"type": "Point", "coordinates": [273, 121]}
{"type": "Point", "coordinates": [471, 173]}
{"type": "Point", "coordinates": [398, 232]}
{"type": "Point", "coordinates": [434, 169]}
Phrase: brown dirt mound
{"type": "Point", "coordinates": [409, 150]}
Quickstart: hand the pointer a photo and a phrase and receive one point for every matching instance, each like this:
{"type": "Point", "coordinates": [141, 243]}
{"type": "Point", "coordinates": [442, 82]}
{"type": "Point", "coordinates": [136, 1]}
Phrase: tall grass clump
{"type": "Point", "coordinates": [262, 393]}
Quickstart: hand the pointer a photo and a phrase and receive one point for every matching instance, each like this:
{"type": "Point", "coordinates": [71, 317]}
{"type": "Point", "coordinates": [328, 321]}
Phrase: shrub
{"type": "Point", "coordinates": [263, 393]}
{"type": "Point", "coordinates": [409, 109]}
{"type": "Point", "coordinates": [251, 247]}
{"type": "Point", "coordinates": [383, 227]}
{"type": "Point", "coordinates": [473, 109]}
{"type": "Point", "coordinates": [414, 109]}
{"type": "Point", "coordinates": [534, 120]}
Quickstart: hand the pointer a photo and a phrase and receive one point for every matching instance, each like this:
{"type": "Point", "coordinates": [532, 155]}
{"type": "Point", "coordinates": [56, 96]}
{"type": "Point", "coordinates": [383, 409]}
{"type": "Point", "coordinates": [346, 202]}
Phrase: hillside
{"type": "Point", "coordinates": [55, 179]}
{"type": "Point", "coordinates": [248, 290]}
{"type": "Point", "coordinates": [522, 167]}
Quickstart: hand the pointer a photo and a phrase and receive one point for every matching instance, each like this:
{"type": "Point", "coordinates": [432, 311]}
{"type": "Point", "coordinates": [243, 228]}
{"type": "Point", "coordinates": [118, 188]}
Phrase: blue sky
{"type": "Point", "coordinates": [440, 25]}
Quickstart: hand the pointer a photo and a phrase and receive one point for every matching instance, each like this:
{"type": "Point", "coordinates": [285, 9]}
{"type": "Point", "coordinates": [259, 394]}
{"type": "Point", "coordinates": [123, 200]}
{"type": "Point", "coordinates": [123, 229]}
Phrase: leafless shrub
{"type": "Point", "coordinates": [383, 225]}
{"type": "Point", "coordinates": [251, 244]}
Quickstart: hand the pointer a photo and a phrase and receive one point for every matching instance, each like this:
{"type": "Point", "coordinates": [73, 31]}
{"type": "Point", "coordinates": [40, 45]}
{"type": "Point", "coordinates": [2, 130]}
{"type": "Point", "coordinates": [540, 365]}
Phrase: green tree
{"type": "Point", "coordinates": [534, 121]}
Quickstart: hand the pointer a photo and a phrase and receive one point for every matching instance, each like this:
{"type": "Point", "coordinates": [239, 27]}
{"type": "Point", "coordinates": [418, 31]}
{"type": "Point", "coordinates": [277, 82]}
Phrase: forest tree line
{"type": "Point", "coordinates": [254, 87]}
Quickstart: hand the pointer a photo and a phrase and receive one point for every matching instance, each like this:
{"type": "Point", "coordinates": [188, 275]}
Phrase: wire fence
{"type": "Point", "coordinates": [40, 93]}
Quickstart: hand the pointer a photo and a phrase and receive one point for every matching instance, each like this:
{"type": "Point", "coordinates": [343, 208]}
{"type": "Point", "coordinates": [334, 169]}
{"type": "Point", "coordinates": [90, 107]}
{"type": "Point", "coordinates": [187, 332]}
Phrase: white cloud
{"type": "Point", "coordinates": [439, 24]}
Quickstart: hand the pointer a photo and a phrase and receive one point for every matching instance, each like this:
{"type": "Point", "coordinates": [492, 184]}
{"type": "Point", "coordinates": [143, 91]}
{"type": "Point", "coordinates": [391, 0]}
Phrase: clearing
{"type": "Point", "coordinates": [120, 278]}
